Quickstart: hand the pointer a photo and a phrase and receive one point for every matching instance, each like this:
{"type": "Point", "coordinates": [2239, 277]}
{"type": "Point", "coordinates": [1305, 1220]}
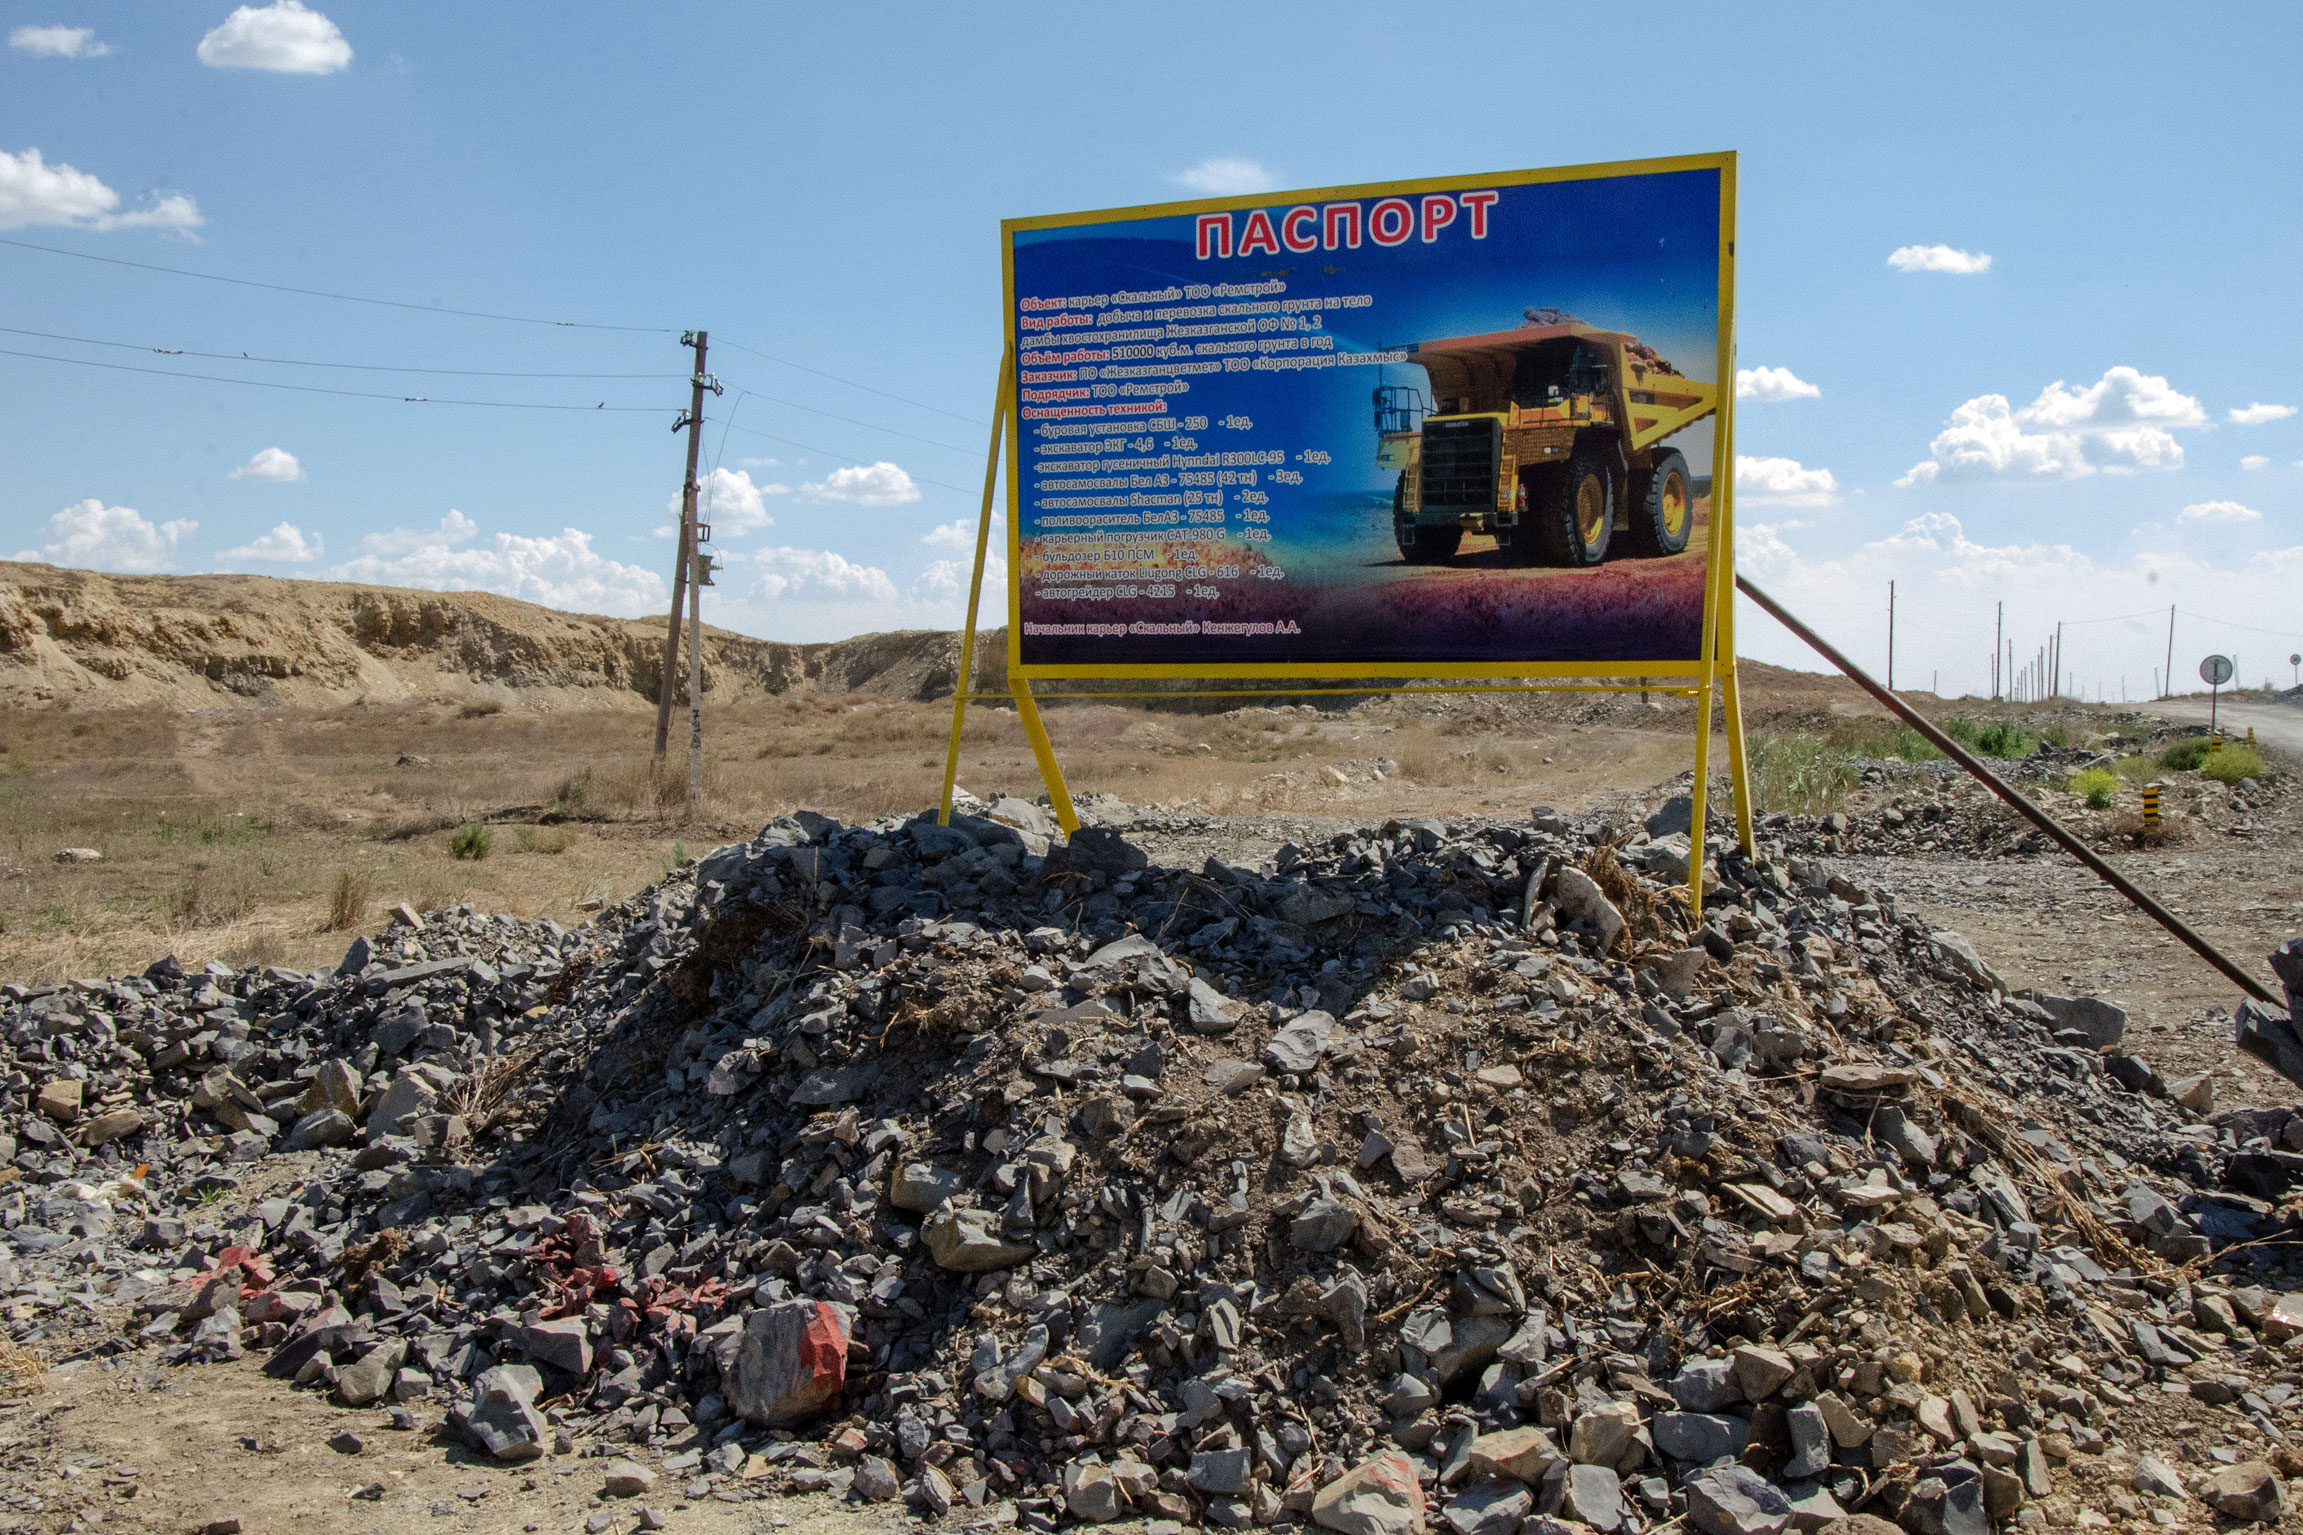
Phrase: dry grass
{"type": "Point", "coordinates": [266, 838]}
{"type": "Point", "coordinates": [348, 902]}
{"type": "Point", "coordinates": [21, 1367]}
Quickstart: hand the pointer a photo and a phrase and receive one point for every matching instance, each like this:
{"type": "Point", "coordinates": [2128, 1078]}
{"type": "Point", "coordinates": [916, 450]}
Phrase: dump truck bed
{"type": "Point", "coordinates": [1648, 399]}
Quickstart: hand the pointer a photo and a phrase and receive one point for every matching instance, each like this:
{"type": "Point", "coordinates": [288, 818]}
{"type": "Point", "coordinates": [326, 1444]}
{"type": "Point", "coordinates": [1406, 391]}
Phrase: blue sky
{"type": "Point", "coordinates": [2088, 427]}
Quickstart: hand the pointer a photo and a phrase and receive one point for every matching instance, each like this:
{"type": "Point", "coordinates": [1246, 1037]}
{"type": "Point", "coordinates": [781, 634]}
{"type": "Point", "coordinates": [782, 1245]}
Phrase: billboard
{"type": "Point", "coordinates": [1465, 427]}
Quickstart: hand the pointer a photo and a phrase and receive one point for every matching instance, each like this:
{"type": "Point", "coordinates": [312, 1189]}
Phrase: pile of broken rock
{"type": "Point", "coordinates": [1437, 1172]}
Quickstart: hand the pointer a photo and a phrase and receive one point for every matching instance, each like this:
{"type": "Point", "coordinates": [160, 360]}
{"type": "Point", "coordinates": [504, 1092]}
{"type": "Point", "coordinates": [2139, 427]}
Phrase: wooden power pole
{"type": "Point", "coordinates": [694, 422]}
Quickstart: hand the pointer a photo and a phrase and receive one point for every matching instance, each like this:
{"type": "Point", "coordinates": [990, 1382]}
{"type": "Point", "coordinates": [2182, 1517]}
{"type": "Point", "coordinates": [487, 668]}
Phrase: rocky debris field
{"type": "Point", "coordinates": [1428, 1174]}
{"type": "Point", "coordinates": [1916, 809]}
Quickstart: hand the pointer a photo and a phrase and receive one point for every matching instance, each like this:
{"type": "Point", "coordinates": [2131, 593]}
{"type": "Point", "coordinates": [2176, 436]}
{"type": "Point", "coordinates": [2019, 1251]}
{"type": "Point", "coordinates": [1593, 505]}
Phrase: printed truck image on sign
{"type": "Point", "coordinates": [1548, 437]}
{"type": "Point", "coordinates": [1198, 485]}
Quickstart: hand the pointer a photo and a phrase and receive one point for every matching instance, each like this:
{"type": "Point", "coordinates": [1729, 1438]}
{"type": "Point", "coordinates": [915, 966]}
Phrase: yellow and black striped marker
{"type": "Point", "coordinates": [2151, 807]}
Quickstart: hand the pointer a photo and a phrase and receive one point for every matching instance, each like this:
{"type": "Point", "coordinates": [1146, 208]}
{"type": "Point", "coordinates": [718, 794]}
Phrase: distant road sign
{"type": "Point", "coordinates": [2215, 670]}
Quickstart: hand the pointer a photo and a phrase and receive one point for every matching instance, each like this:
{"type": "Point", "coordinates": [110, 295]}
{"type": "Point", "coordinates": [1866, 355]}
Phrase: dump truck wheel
{"type": "Point", "coordinates": [1573, 510]}
{"type": "Point", "coordinates": [1517, 543]}
{"type": "Point", "coordinates": [1662, 505]}
{"type": "Point", "coordinates": [1426, 546]}
{"type": "Point", "coordinates": [1420, 546]}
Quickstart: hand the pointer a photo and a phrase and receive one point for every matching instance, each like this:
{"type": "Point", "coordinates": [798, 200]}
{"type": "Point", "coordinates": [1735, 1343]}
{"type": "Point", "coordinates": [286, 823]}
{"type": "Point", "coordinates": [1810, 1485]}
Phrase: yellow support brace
{"type": "Point", "coordinates": [964, 684]}
{"type": "Point", "coordinates": [1731, 685]}
{"type": "Point", "coordinates": [1050, 773]}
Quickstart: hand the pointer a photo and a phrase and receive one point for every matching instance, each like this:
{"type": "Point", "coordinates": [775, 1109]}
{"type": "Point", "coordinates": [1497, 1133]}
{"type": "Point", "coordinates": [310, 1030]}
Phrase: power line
{"type": "Point", "coordinates": [298, 362]}
{"type": "Point", "coordinates": [347, 298]}
{"type": "Point", "coordinates": [872, 426]}
{"type": "Point", "coordinates": [476, 314]}
{"type": "Point", "coordinates": [852, 384]}
{"type": "Point", "coordinates": [734, 406]}
{"type": "Point", "coordinates": [2118, 618]}
{"type": "Point", "coordinates": [352, 394]}
{"type": "Point", "coordinates": [2250, 628]}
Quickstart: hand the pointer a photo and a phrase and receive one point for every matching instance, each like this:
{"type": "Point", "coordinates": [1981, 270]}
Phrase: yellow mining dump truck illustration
{"type": "Point", "coordinates": [1549, 437]}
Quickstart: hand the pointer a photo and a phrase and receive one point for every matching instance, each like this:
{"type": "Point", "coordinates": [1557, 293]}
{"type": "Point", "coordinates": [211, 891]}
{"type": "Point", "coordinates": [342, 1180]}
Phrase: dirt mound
{"type": "Point", "coordinates": [76, 637]}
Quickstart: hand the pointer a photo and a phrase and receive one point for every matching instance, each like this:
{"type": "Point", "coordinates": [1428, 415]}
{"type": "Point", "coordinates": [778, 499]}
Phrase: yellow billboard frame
{"type": "Point", "coordinates": [1713, 668]}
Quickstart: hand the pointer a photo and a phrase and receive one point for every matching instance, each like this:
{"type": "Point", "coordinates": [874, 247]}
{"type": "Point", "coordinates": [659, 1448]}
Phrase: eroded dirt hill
{"type": "Point", "coordinates": [72, 636]}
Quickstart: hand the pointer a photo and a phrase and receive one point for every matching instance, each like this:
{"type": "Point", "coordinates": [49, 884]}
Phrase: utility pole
{"type": "Point", "coordinates": [1998, 637]}
{"type": "Point", "coordinates": [2169, 675]}
{"type": "Point", "coordinates": [694, 422]}
{"type": "Point", "coordinates": [1891, 636]}
{"type": "Point", "coordinates": [2057, 690]}
{"type": "Point", "coordinates": [696, 582]}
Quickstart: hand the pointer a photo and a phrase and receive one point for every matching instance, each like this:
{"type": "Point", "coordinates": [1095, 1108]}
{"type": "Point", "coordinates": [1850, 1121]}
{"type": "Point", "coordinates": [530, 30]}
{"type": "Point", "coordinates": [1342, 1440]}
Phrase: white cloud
{"type": "Point", "coordinates": [2254, 461]}
{"type": "Point", "coordinates": [93, 536]}
{"type": "Point", "coordinates": [1938, 258]}
{"type": "Point", "coordinates": [1769, 384]}
{"type": "Point", "coordinates": [1949, 588]}
{"type": "Point", "coordinates": [59, 42]}
{"type": "Point", "coordinates": [2219, 511]}
{"type": "Point", "coordinates": [729, 501]}
{"type": "Point", "coordinates": [880, 484]}
{"type": "Point", "coordinates": [2122, 424]}
{"type": "Point", "coordinates": [961, 534]}
{"type": "Point", "coordinates": [283, 37]}
{"type": "Point", "coordinates": [946, 582]}
{"type": "Point", "coordinates": [817, 575]}
{"type": "Point", "coordinates": [561, 572]}
{"type": "Point", "coordinates": [1225, 176]}
{"type": "Point", "coordinates": [286, 544]}
{"type": "Point", "coordinates": [2258, 413]}
{"type": "Point", "coordinates": [35, 192]}
{"type": "Point", "coordinates": [1782, 482]}
{"type": "Point", "coordinates": [276, 465]}
{"type": "Point", "coordinates": [454, 529]}
{"type": "Point", "coordinates": [760, 463]}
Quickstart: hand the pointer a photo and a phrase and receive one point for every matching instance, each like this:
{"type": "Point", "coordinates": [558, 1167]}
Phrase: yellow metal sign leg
{"type": "Point", "coordinates": [965, 682]}
{"type": "Point", "coordinates": [1050, 773]}
{"type": "Point", "coordinates": [1696, 809]}
{"type": "Point", "coordinates": [1738, 766]}
{"type": "Point", "coordinates": [1731, 688]}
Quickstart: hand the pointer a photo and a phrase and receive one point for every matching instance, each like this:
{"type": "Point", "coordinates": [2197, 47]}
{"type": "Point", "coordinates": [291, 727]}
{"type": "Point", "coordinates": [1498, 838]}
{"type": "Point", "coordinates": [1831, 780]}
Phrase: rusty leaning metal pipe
{"type": "Point", "coordinates": [2023, 807]}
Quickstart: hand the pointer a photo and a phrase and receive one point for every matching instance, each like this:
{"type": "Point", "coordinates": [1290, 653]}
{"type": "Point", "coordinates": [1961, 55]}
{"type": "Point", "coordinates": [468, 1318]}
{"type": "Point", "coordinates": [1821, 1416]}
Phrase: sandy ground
{"type": "Point", "coordinates": [138, 1447]}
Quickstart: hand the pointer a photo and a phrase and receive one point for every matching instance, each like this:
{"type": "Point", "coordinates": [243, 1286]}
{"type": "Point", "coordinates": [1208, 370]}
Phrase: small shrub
{"type": "Point", "coordinates": [2096, 787]}
{"type": "Point", "coordinates": [1999, 738]}
{"type": "Point", "coordinates": [1801, 773]}
{"type": "Point", "coordinates": [188, 904]}
{"type": "Point", "coordinates": [2185, 756]}
{"type": "Point", "coordinates": [2232, 763]}
{"type": "Point", "coordinates": [2057, 735]}
{"type": "Point", "coordinates": [480, 708]}
{"type": "Point", "coordinates": [572, 794]}
{"type": "Point", "coordinates": [1911, 746]}
{"type": "Point", "coordinates": [540, 839]}
{"type": "Point", "coordinates": [2132, 829]}
{"type": "Point", "coordinates": [2140, 769]}
{"type": "Point", "coordinates": [257, 950]}
{"type": "Point", "coordinates": [348, 902]}
{"type": "Point", "coordinates": [473, 841]}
